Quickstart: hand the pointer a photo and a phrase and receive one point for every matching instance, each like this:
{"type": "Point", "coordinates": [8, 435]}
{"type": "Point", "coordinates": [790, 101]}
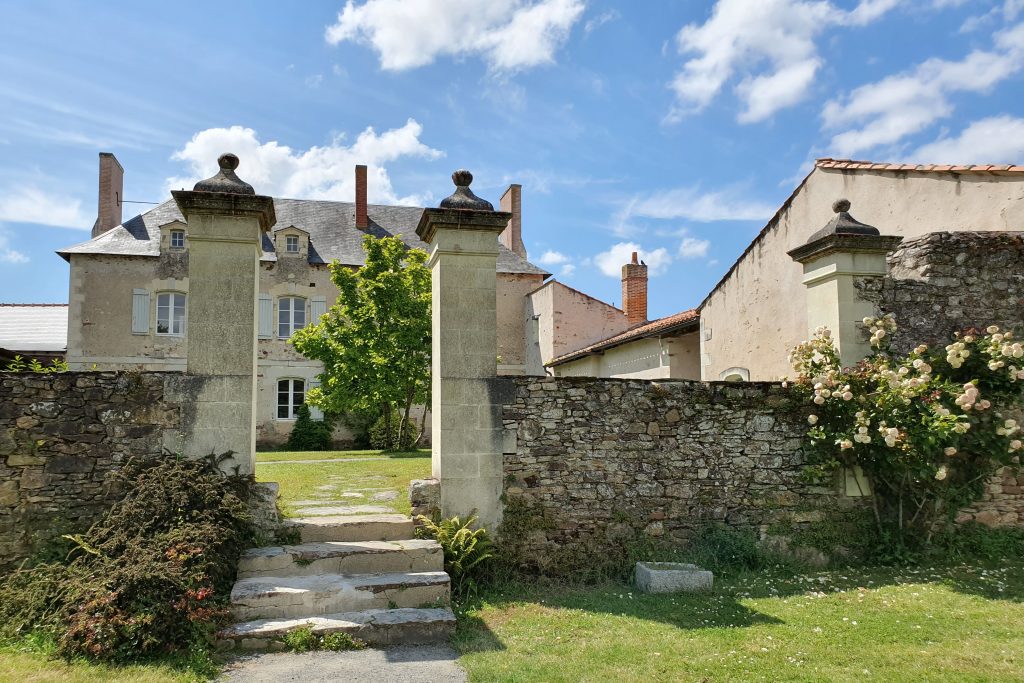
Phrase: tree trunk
{"type": "Point", "coordinates": [388, 445]}
{"type": "Point", "coordinates": [405, 417]}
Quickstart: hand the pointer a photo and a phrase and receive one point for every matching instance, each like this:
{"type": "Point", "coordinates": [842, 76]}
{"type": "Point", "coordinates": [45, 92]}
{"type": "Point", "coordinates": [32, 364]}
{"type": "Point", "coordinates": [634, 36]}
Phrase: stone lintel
{"type": "Point", "coordinates": [433, 220]}
{"type": "Point", "coordinates": [831, 244]}
{"type": "Point", "coordinates": [227, 204]}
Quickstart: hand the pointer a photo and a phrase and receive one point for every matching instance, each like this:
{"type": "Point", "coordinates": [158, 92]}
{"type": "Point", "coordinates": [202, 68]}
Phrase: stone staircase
{"type": "Point", "coordinates": [364, 575]}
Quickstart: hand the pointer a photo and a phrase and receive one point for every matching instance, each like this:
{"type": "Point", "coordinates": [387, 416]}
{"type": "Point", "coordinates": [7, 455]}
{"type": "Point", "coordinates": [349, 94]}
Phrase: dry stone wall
{"type": "Point", "coordinates": [947, 282]}
{"type": "Point", "coordinates": [61, 438]}
{"type": "Point", "coordinates": [596, 462]}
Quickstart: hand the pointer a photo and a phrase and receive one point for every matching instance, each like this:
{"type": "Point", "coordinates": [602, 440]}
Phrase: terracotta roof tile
{"type": "Point", "coordinates": [859, 165]}
{"type": "Point", "coordinates": [652, 328]}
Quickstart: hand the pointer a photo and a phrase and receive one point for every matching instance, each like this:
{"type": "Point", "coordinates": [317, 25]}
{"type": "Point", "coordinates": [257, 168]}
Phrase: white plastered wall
{"type": "Point", "coordinates": [760, 312]}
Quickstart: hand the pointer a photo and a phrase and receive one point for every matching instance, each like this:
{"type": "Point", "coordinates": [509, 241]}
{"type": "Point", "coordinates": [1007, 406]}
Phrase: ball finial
{"type": "Point", "coordinates": [227, 161]}
{"type": "Point", "coordinates": [462, 178]}
{"type": "Point", "coordinates": [841, 205]}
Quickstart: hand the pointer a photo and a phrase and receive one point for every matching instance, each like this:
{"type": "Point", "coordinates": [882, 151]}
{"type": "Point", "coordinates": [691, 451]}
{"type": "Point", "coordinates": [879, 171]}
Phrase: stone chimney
{"type": "Point", "coordinates": [108, 214]}
{"type": "Point", "coordinates": [362, 220]}
{"type": "Point", "coordinates": [634, 291]}
{"type": "Point", "coordinates": [512, 237]}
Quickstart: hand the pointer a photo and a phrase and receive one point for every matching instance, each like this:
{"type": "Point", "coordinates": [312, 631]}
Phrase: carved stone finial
{"type": "Point", "coordinates": [841, 205]}
{"type": "Point", "coordinates": [463, 197]}
{"type": "Point", "coordinates": [225, 181]}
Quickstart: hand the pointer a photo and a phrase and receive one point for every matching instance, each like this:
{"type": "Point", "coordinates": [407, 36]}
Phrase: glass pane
{"type": "Point", "coordinates": [300, 314]}
{"type": "Point", "coordinates": [282, 411]}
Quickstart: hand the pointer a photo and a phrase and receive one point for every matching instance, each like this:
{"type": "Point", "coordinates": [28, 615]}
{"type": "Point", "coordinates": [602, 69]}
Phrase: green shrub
{"type": "Point", "coordinates": [379, 437]}
{"type": "Point", "coordinates": [718, 547]}
{"type": "Point", "coordinates": [309, 434]}
{"type": "Point", "coordinates": [466, 550]}
{"type": "Point", "coordinates": [19, 364]}
{"type": "Point", "coordinates": [975, 541]}
{"type": "Point", "coordinates": [151, 578]}
{"type": "Point", "coordinates": [304, 640]}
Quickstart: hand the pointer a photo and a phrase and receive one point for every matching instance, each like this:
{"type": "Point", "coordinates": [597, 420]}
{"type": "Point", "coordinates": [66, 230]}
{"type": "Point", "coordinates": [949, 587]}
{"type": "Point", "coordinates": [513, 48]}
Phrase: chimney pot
{"type": "Point", "coordinates": [111, 193]}
{"type": "Point", "coordinates": [634, 291]}
{"type": "Point", "coordinates": [362, 220]}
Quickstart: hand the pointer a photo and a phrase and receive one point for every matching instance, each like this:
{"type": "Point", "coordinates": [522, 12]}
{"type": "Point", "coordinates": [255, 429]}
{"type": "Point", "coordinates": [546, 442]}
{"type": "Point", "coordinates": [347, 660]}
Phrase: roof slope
{"type": "Point", "coordinates": [34, 327]}
{"type": "Point", "coordinates": [333, 234]}
{"type": "Point", "coordinates": [670, 323]}
{"type": "Point", "coordinates": [854, 165]}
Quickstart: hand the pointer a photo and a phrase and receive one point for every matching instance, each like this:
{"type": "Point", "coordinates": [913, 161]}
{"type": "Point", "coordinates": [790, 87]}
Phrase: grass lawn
{"type": "Point", "coordinates": [345, 482]}
{"type": "Point", "coordinates": [279, 456]}
{"type": "Point", "coordinates": [36, 667]}
{"type": "Point", "coordinates": [942, 624]}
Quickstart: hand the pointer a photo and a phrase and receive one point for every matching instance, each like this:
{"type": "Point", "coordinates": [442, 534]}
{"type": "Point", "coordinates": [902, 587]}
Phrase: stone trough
{"type": "Point", "coordinates": [672, 577]}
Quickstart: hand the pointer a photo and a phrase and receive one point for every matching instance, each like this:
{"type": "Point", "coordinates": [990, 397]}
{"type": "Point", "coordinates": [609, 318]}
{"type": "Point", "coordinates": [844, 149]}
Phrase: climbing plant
{"type": "Point", "coordinates": [927, 428]}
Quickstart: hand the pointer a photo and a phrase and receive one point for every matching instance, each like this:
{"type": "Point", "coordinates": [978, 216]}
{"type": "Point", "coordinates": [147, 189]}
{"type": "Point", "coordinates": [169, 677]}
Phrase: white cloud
{"type": "Point", "coordinates": [994, 140]}
{"type": "Point", "coordinates": [552, 258]}
{"type": "Point", "coordinates": [509, 34]}
{"type": "Point", "coordinates": [8, 254]}
{"type": "Point", "coordinates": [692, 248]}
{"type": "Point", "coordinates": [691, 203]}
{"type": "Point", "coordinates": [885, 112]}
{"type": "Point", "coordinates": [29, 204]}
{"type": "Point", "coordinates": [600, 20]}
{"type": "Point", "coordinates": [317, 173]}
{"type": "Point", "coordinates": [610, 262]}
{"type": "Point", "coordinates": [567, 270]}
{"type": "Point", "coordinates": [769, 45]}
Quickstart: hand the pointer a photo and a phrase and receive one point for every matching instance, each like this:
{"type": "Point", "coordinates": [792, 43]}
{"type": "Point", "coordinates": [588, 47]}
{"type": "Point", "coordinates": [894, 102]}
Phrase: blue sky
{"type": "Point", "coordinates": [671, 127]}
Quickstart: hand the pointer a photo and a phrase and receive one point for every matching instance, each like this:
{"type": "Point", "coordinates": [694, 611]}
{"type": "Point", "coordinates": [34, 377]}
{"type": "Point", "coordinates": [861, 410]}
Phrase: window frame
{"type": "Point", "coordinates": [290, 240]}
{"type": "Point", "coordinates": [292, 312]}
{"type": "Point", "coordinates": [171, 307]}
{"type": "Point", "coordinates": [177, 233]}
{"type": "Point", "coordinates": [291, 406]}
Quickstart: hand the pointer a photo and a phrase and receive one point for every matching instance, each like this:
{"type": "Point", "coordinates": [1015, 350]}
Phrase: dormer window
{"type": "Point", "coordinates": [177, 239]}
{"type": "Point", "coordinates": [291, 244]}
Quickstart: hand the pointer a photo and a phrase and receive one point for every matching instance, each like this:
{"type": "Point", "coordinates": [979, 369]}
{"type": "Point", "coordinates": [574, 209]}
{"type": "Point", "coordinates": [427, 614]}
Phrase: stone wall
{"type": "Point", "coordinates": [597, 461]}
{"type": "Point", "coordinates": [61, 438]}
{"type": "Point", "coordinates": [946, 282]}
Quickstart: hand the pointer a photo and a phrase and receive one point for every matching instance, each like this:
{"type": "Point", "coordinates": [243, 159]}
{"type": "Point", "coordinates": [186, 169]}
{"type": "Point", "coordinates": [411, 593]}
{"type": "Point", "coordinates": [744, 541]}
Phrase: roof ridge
{"type": "Point", "coordinates": [33, 305]}
{"type": "Point", "coordinates": [864, 165]}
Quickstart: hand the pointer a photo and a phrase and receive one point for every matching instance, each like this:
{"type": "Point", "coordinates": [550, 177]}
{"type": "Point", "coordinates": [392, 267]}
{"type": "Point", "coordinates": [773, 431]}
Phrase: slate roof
{"type": "Point", "coordinates": [331, 226]}
{"type": "Point", "coordinates": [33, 327]}
{"type": "Point", "coordinates": [670, 323]}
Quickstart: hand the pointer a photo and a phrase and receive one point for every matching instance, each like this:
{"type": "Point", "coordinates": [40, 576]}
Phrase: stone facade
{"type": "Point", "coordinates": [61, 438]}
{"type": "Point", "coordinates": [601, 460]}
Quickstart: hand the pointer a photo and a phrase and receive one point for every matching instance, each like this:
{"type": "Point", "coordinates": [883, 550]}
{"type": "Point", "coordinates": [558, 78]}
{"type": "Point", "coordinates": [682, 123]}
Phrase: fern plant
{"type": "Point", "coordinates": [466, 550]}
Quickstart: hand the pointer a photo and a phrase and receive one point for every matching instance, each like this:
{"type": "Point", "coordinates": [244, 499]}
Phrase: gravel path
{"type": "Point", "coordinates": [423, 664]}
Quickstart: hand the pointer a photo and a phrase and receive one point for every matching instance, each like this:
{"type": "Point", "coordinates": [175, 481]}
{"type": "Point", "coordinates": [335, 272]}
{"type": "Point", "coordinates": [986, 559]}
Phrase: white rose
{"type": "Point", "coordinates": [992, 329]}
{"type": "Point", "coordinates": [950, 451]}
{"type": "Point", "coordinates": [941, 473]}
{"type": "Point", "coordinates": [1015, 445]}
{"type": "Point", "coordinates": [845, 443]}
{"type": "Point", "coordinates": [812, 419]}
{"type": "Point", "coordinates": [819, 400]}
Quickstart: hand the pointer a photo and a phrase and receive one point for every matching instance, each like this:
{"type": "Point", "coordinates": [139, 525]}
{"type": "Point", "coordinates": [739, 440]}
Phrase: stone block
{"type": "Point", "coordinates": [672, 577]}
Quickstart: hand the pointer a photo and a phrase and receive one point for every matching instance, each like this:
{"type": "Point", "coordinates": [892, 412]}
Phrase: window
{"type": "Point", "coordinates": [291, 244]}
{"type": "Point", "coordinates": [177, 239]}
{"type": "Point", "coordinates": [291, 393]}
{"type": "Point", "coordinates": [170, 313]}
{"type": "Point", "coordinates": [291, 315]}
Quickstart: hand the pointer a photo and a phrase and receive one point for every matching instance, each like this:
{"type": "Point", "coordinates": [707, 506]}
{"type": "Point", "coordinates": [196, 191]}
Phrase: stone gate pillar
{"type": "Point", "coordinates": [835, 258]}
{"type": "Point", "coordinates": [226, 221]}
{"type": "Point", "coordinates": [465, 405]}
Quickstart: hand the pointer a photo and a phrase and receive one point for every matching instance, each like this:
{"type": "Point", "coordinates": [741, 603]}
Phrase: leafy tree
{"type": "Point", "coordinates": [374, 341]}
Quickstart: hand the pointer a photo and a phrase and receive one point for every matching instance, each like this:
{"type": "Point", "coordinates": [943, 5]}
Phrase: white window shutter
{"type": "Point", "coordinates": [266, 316]}
{"type": "Point", "coordinates": [317, 308]}
{"type": "Point", "coordinates": [315, 413]}
{"type": "Point", "coordinates": [140, 311]}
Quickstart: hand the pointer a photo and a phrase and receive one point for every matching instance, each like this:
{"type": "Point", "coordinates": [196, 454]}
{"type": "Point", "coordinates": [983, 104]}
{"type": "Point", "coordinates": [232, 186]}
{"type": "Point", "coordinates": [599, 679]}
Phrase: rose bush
{"type": "Point", "coordinates": [926, 429]}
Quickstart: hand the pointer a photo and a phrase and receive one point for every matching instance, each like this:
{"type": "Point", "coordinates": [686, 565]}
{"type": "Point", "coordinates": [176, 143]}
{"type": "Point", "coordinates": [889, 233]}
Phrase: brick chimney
{"type": "Point", "coordinates": [634, 291]}
{"type": "Point", "coordinates": [108, 214]}
{"type": "Point", "coordinates": [362, 221]}
{"type": "Point", "coordinates": [512, 237]}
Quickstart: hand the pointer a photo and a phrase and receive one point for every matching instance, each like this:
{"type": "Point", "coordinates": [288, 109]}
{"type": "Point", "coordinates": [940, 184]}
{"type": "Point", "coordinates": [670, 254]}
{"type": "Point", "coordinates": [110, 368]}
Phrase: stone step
{"type": "Point", "coordinates": [377, 627]}
{"type": "Point", "coordinates": [362, 557]}
{"type": "Point", "coordinates": [273, 597]}
{"type": "Point", "coordinates": [353, 528]}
